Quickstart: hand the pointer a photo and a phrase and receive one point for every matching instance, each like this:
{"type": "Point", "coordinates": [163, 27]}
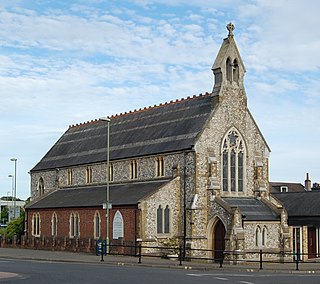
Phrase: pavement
{"type": "Point", "coordinates": [89, 258]}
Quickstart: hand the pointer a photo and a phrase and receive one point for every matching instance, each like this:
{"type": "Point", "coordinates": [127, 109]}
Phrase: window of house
{"type": "Point", "coordinates": [74, 224]}
{"type": "Point", "coordinates": [88, 175]}
{"type": "Point", "coordinates": [97, 231]}
{"type": "Point", "coordinates": [283, 189]}
{"type": "Point", "coordinates": [159, 167]}
{"type": "Point", "coordinates": [133, 169]}
{"type": "Point", "coordinates": [233, 153]}
{"type": "Point", "coordinates": [41, 186]}
{"type": "Point", "coordinates": [36, 224]}
{"type": "Point", "coordinates": [54, 225]}
{"type": "Point", "coordinates": [69, 177]}
{"type": "Point", "coordinates": [163, 220]}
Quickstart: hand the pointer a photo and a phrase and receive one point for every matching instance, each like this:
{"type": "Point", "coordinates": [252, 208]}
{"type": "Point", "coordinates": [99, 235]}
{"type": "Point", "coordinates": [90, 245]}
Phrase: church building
{"type": "Point", "coordinates": [194, 170]}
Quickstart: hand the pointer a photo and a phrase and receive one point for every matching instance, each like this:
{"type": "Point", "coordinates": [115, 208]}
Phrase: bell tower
{"type": "Point", "coordinates": [228, 68]}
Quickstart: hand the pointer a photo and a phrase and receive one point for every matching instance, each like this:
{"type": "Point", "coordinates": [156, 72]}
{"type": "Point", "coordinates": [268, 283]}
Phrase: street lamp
{"type": "Point", "coordinates": [15, 186]}
{"type": "Point", "coordinates": [107, 119]}
{"type": "Point", "coordinates": [12, 190]}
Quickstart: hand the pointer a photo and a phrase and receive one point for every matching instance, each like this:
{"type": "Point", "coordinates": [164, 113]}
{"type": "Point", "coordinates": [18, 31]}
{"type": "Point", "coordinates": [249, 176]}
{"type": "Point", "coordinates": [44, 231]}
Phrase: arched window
{"type": "Point", "coordinates": [167, 220]}
{"type": "Point", "coordinates": [233, 162]}
{"type": "Point", "coordinates": [117, 226]}
{"type": "Point", "coordinates": [235, 71]}
{"type": "Point", "coordinates": [258, 236]}
{"type": "Point", "coordinates": [229, 70]}
{"type": "Point", "coordinates": [36, 224]}
{"type": "Point", "coordinates": [163, 220]}
{"type": "Point", "coordinates": [74, 224]}
{"type": "Point", "coordinates": [264, 236]}
{"type": "Point", "coordinates": [41, 186]}
{"type": "Point", "coordinates": [97, 225]}
{"type": "Point", "coordinates": [159, 220]}
{"type": "Point", "coordinates": [88, 175]}
{"type": "Point", "coordinates": [159, 167]}
{"type": "Point", "coordinates": [54, 225]}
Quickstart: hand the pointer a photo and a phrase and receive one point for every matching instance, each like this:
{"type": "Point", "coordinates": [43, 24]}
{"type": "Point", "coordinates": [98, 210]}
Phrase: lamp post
{"type": "Point", "coordinates": [107, 119]}
{"type": "Point", "coordinates": [12, 190]}
{"type": "Point", "coordinates": [15, 186]}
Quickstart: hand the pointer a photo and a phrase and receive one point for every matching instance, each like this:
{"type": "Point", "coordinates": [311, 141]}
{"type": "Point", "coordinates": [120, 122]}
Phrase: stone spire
{"type": "Point", "coordinates": [228, 68]}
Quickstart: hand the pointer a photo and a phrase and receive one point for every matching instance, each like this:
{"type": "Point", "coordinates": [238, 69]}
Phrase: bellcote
{"type": "Point", "coordinates": [228, 68]}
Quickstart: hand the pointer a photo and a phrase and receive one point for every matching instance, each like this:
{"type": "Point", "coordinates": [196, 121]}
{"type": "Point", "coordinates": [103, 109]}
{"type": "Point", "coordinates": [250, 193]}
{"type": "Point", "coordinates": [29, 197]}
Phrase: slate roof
{"type": "Point", "coordinates": [292, 187]}
{"type": "Point", "coordinates": [253, 209]}
{"type": "Point", "coordinates": [302, 207]}
{"type": "Point", "coordinates": [94, 196]}
{"type": "Point", "coordinates": [300, 203]}
{"type": "Point", "coordinates": [165, 128]}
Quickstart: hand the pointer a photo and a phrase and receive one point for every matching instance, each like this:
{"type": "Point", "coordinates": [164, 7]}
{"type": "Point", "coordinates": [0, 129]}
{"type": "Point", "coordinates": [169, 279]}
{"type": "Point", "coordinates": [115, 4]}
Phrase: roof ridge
{"type": "Point", "coordinates": [172, 102]}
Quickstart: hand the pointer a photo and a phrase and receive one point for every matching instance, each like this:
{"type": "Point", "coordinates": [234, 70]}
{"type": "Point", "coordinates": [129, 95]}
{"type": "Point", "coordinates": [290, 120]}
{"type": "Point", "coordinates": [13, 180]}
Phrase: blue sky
{"type": "Point", "coordinates": [66, 62]}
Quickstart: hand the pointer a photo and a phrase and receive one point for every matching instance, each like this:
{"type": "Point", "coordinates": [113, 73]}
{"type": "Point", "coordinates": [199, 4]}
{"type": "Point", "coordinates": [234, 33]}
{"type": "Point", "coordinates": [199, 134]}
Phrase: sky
{"type": "Point", "coordinates": [67, 62]}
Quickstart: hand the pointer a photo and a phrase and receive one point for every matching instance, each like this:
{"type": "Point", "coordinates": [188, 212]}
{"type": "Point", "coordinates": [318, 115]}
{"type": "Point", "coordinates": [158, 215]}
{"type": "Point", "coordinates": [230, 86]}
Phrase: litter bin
{"type": "Point", "coordinates": [101, 247]}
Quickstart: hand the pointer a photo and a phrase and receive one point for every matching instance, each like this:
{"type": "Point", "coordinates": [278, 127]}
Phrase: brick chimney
{"type": "Point", "coordinates": [307, 183]}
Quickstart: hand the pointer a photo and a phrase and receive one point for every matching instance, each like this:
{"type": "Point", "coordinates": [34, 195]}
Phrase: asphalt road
{"type": "Point", "coordinates": [26, 271]}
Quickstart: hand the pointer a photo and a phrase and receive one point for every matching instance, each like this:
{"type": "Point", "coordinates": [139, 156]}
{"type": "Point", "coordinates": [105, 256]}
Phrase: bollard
{"type": "Point", "coordinates": [297, 260]}
{"type": "Point", "coordinates": [261, 259]}
{"type": "Point", "coordinates": [139, 248]}
{"type": "Point", "coordinates": [221, 262]}
{"type": "Point", "coordinates": [180, 255]}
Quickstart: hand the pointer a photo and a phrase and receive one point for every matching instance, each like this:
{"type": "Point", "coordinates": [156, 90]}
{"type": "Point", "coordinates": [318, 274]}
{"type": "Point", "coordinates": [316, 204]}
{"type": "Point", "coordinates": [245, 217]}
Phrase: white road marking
{"type": "Point", "coordinates": [220, 278]}
{"type": "Point", "coordinates": [245, 282]}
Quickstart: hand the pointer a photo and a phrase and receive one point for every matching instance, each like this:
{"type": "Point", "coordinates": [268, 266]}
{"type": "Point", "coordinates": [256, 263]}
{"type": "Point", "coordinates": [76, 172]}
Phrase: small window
{"type": "Point", "coordinates": [41, 186]}
{"type": "Point", "coordinates": [159, 167]}
{"type": "Point", "coordinates": [69, 177]}
{"type": "Point", "coordinates": [133, 169]}
{"type": "Point", "coordinates": [97, 225]}
{"type": "Point", "coordinates": [88, 175]}
{"type": "Point", "coordinates": [159, 220]}
{"type": "Point", "coordinates": [74, 225]}
{"type": "Point", "coordinates": [110, 172]}
{"type": "Point", "coordinates": [54, 225]}
{"type": "Point", "coordinates": [283, 189]}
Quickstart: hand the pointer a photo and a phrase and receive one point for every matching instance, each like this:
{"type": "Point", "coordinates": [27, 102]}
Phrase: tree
{"type": "Point", "coordinates": [4, 215]}
{"type": "Point", "coordinates": [16, 227]}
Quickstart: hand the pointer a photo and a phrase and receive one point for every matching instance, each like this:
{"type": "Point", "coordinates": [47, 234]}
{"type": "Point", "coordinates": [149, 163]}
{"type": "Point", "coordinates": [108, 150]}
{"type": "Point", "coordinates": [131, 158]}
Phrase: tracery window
{"type": "Point", "coordinates": [233, 155]}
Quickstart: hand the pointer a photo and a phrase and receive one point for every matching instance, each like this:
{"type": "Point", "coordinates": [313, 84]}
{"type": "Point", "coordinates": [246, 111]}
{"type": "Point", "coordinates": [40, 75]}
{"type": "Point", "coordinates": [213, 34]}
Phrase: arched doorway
{"type": "Point", "coordinates": [218, 244]}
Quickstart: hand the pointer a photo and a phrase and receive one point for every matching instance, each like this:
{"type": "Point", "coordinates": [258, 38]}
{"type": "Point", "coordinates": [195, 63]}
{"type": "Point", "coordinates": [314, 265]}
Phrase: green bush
{"type": "Point", "coordinates": [15, 227]}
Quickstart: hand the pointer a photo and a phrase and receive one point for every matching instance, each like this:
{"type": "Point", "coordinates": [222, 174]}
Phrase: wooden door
{"type": "Point", "coordinates": [219, 242]}
{"type": "Point", "coordinates": [312, 250]}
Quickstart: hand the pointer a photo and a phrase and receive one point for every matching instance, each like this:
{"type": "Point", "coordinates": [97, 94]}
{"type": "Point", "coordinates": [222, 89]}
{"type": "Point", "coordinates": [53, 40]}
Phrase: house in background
{"type": "Point", "coordinates": [301, 204]}
{"type": "Point", "coordinates": [194, 169]}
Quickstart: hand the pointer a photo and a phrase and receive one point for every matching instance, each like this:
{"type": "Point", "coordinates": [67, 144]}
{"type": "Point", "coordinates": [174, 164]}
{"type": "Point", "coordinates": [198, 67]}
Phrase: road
{"type": "Point", "coordinates": [26, 271]}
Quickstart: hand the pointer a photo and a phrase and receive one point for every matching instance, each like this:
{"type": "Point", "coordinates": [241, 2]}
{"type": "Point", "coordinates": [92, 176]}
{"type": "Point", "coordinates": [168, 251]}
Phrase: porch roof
{"type": "Point", "coordinates": [253, 209]}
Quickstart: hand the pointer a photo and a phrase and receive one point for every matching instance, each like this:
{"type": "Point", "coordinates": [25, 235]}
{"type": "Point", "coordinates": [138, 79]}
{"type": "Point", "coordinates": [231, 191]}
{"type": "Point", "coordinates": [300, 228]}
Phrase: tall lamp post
{"type": "Point", "coordinates": [15, 186]}
{"type": "Point", "coordinates": [12, 193]}
{"type": "Point", "coordinates": [107, 119]}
